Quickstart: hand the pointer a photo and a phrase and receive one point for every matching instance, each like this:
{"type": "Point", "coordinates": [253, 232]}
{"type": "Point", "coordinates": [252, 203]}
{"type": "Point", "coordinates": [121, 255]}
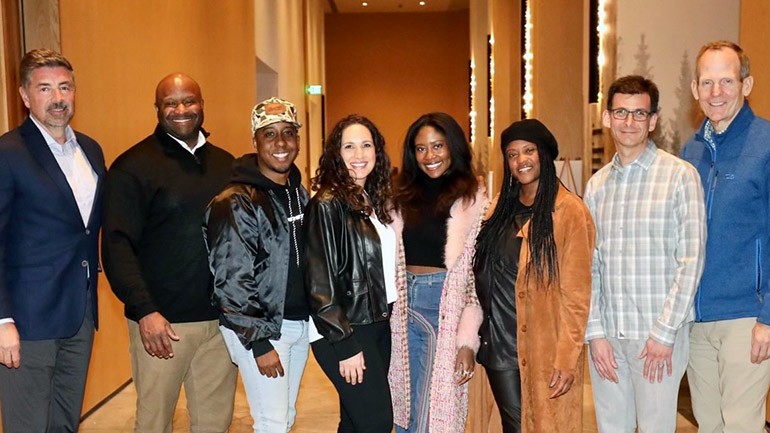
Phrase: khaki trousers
{"type": "Point", "coordinates": [201, 362]}
{"type": "Point", "coordinates": [728, 391]}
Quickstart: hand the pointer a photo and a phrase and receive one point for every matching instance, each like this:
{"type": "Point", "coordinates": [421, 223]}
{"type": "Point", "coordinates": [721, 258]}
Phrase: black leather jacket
{"type": "Point", "coordinates": [343, 271]}
{"type": "Point", "coordinates": [495, 287]}
{"type": "Point", "coordinates": [248, 237]}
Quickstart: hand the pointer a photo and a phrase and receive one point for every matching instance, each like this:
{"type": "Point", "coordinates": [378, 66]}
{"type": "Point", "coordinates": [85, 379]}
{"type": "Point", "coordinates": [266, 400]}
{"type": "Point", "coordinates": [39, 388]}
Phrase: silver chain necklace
{"type": "Point", "coordinates": [293, 221]}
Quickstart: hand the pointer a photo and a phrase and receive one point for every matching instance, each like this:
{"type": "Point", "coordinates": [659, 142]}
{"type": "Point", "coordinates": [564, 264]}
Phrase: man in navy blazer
{"type": "Point", "coordinates": [50, 184]}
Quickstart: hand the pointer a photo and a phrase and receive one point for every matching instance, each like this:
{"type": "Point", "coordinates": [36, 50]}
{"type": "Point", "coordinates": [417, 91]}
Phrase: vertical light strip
{"type": "Point", "coordinates": [602, 28]}
{"type": "Point", "coordinates": [527, 98]}
{"type": "Point", "coordinates": [491, 132]}
{"type": "Point", "coordinates": [473, 102]}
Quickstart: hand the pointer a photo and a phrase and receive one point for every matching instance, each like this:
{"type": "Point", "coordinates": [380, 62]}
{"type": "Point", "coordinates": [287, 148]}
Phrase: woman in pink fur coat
{"type": "Point", "coordinates": [438, 206]}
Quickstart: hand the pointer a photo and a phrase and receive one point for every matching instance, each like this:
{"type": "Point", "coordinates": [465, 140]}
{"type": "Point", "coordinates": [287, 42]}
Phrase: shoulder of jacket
{"type": "Point", "coordinates": [255, 195]}
{"type": "Point", "coordinates": [325, 196]}
{"type": "Point", "coordinates": [570, 201]}
{"type": "Point", "coordinates": [472, 206]}
{"type": "Point", "coordinates": [145, 153]}
{"type": "Point", "coordinates": [213, 148]}
{"type": "Point", "coordinates": [12, 140]}
{"type": "Point", "coordinates": [84, 137]}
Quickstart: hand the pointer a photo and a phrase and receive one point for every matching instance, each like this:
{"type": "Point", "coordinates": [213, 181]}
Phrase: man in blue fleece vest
{"type": "Point", "coordinates": [728, 372]}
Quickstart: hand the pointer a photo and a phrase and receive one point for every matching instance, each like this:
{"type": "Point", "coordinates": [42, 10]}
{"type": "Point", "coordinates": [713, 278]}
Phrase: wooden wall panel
{"type": "Point", "coordinates": [394, 67]}
{"type": "Point", "coordinates": [11, 57]}
{"type": "Point", "coordinates": [560, 82]}
{"type": "Point", "coordinates": [120, 50]}
{"type": "Point", "coordinates": [41, 24]}
{"type": "Point", "coordinates": [755, 16]}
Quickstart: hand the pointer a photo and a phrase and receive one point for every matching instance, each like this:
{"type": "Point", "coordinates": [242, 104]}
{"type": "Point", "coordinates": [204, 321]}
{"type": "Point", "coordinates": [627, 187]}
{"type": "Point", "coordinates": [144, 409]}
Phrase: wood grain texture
{"type": "Point", "coordinates": [11, 58]}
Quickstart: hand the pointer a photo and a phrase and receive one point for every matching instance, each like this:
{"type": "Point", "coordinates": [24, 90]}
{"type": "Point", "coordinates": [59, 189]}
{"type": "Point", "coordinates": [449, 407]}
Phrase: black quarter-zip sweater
{"type": "Point", "coordinates": [153, 250]}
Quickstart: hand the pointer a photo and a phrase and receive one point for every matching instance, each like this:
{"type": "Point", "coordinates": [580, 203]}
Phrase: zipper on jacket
{"type": "Point", "coordinates": [758, 270]}
{"type": "Point", "coordinates": [711, 187]}
{"type": "Point", "coordinates": [713, 177]}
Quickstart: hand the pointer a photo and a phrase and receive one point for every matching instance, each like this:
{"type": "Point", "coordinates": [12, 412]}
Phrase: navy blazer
{"type": "Point", "coordinates": [46, 252]}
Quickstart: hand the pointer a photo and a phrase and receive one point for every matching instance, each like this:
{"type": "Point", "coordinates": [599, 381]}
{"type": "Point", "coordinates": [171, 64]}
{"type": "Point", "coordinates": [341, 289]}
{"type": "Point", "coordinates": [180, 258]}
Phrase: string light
{"type": "Point", "coordinates": [491, 132]}
{"type": "Point", "coordinates": [527, 98]}
{"type": "Point", "coordinates": [472, 114]}
{"type": "Point", "coordinates": [602, 28]}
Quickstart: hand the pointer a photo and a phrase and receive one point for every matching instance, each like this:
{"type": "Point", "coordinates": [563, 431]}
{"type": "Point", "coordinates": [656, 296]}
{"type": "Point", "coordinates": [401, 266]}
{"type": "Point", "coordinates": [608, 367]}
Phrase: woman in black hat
{"type": "Point", "coordinates": [538, 238]}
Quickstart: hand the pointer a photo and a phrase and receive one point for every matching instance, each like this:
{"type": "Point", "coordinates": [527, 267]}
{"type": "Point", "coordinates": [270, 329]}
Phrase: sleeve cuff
{"type": "Point", "coordinates": [346, 348]}
{"type": "Point", "coordinates": [663, 334]}
{"type": "Point", "coordinates": [468, 329]}
{"type": "Point", "coordinates": [594, 330]}
{"type": "Point", "coordinates": [764, 317]}
{"type": "Point", "coordinates": [261, 347]}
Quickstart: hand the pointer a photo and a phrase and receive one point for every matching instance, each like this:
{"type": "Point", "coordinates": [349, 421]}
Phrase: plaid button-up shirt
{"type": "Point", "coordinates": [650, 242]}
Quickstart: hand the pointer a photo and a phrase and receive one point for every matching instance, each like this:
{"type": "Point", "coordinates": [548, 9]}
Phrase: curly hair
{"type": "Point", "coordinates": [332, 173]}
{"type": "Point", "coordinates": [461, 180]}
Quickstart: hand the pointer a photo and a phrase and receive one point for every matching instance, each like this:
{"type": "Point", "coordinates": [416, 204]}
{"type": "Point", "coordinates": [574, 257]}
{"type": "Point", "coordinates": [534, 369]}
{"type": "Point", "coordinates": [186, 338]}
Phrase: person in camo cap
{"type": "Point", "coordinates": [254, 234]}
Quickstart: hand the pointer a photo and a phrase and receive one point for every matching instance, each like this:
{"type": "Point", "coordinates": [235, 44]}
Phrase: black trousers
{"type": "Point", "coordinates": [506, 387]}
{"type": "Point", "coordinates": [366, 407]}
{"type": "Point", "coordinates": [45, 394]}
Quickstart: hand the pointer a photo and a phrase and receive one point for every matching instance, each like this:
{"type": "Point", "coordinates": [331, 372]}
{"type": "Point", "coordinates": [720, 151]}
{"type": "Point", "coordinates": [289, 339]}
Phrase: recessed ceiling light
{"type": "Point", "coordinates": [422, 3]}
{"type": "Point", "coordinates": [364, 4]}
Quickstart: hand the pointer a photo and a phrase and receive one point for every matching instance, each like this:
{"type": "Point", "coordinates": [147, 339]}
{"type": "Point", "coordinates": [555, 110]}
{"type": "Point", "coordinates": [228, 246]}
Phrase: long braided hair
{"type": "Point", "coordinates": [542, 247]}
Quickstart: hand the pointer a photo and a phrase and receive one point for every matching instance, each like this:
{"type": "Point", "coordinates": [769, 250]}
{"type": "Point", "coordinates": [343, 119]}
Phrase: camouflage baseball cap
{"type": "Point", "coordinates": [271, 111]}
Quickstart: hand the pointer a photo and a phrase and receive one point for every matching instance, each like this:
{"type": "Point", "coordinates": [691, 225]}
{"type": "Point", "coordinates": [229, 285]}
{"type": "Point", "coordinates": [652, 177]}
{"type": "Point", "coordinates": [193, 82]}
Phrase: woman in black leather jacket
{"type": "Point", "coordinates": [350, 272]}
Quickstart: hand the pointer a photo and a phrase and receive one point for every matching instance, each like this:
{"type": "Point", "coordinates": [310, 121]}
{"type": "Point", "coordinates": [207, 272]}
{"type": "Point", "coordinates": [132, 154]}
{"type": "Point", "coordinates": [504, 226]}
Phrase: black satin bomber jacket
{"type": "Point", "coordinates": [248, 241]}
{"type": "Point", "coordinates": [343, 271]}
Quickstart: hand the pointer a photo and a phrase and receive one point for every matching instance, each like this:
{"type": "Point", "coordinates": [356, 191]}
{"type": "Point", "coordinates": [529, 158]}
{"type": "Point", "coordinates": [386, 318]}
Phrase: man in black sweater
{"type": "Point", "coordinates": [253, 231]}
{"type": "Point", "coordinates": [155, 260]}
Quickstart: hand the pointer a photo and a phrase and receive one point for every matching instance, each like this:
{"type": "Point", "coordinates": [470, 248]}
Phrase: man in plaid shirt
{"type": "Point", "coordinates": [651, 232]}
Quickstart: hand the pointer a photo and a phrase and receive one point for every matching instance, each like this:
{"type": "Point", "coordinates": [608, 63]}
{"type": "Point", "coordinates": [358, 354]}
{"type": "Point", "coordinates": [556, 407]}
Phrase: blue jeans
{"type": "Point", "coordinates": [272, 401]}
{"type": "Point", "coordinates": [423, 299]}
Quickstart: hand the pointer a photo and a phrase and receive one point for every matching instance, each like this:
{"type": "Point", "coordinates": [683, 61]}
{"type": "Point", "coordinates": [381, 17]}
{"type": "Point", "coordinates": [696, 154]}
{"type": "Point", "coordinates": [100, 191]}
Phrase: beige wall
{"type": "Point", "coordinates": [315, 63]}
{"type": "Point", "coordinates": [560, 76]}
{"type": "Point", "coordinates": [120, 50]}
{"type": "Point", "coordinates": [755, 16]}
{"type": "Point", "coordinates": [479, 24]}
{"type": "Point", "coordinates": [394, 67]}
{"type": "Point", "coordinates": [41, 24]}
{"type": "Point", "coordinates": [295, 56]}
{"type": "Point", "coordinates": [283, 52]}
{"type": "Point", "coordinates": [505, 24]}
{"type": "Point", "coordinates": [652, 42]}
{"type": "Point", "coordinates": [560, 81]}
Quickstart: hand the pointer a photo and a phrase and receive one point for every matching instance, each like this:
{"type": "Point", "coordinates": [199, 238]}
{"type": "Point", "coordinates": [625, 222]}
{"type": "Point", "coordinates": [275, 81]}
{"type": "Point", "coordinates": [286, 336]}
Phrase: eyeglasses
{"type": "Point", "coordinates": [638, 115]}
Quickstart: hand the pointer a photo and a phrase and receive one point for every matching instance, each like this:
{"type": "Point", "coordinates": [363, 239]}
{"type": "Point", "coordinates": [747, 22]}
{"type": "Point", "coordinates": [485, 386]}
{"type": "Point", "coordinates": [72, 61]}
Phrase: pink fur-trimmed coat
{"type": "Point", "coordinates": [459, 319]}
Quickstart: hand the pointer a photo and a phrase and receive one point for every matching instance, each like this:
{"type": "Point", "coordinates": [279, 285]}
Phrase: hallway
{"type": "Point", "coordinates": [316, 411]}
